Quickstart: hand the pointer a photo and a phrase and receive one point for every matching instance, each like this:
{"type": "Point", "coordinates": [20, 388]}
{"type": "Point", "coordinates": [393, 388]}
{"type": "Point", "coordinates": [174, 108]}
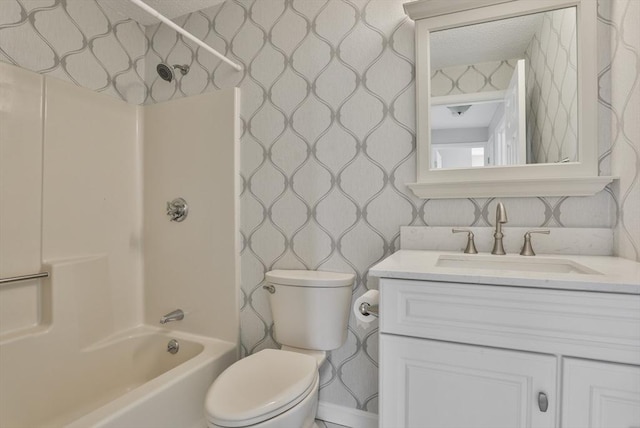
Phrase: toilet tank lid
{"type": "Point", "coordinates": [310, 278]}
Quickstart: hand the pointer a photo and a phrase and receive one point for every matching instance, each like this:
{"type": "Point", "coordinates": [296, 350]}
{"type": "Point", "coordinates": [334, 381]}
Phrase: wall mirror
{"type": "Point", "coordinates": [506, 96]}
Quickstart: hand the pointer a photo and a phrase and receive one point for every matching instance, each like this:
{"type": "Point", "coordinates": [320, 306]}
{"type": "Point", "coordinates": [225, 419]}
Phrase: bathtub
{"type": "Point", "coordinates": [128, 380]}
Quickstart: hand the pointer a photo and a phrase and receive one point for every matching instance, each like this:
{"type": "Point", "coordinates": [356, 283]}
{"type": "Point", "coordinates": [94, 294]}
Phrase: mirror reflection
{"type": "Point", "coordinates": [505, 92]}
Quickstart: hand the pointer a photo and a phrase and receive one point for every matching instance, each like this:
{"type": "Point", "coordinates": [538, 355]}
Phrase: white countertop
{"type": "Point", "coordinates": [615, 274]}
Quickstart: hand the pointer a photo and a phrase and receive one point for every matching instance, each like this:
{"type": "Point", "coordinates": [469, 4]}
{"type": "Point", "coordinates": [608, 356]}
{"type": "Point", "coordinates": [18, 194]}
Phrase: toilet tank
{"type": "Point", "coordinates": [310, 309]}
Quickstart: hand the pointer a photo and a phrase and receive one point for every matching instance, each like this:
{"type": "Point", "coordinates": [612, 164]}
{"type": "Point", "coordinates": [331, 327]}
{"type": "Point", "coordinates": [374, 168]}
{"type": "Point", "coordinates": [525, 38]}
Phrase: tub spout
{"type": "Point", "coordinates": [176, 315]}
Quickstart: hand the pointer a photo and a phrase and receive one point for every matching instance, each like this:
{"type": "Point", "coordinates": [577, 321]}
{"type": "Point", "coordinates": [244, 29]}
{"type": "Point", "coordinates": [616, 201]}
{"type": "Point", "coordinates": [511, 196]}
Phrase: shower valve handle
{"type": "Point", "coordinates": [177, 210]}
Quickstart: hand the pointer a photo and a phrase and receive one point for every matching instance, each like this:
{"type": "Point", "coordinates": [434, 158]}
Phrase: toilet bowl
{"type": "Point", "coordinates": [279, 388]}
{"type": "Point", "coordinates": [264, 390]}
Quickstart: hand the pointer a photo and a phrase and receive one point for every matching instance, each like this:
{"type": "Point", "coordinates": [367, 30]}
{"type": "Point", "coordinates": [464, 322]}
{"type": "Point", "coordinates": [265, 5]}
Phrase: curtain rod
{"type": "Point", "coordinates": [184, 32]}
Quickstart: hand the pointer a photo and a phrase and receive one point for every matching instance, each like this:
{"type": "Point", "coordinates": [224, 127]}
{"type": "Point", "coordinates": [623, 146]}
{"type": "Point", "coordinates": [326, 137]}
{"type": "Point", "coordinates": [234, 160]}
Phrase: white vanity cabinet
{"type": "Point", "coordinates": [469, 355]}
{"type": "Point", "coordinates": [429, 383]}
{"type": "Point", "coordinates": [598, 394]}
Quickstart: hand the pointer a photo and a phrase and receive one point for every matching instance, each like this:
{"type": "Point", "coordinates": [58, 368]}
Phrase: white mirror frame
{"type": "Point", "coordinates": [567, 179]}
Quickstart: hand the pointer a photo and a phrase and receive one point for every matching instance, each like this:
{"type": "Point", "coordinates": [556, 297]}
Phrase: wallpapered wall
{"type": "Point", "coordinates": [620, 93]}
{"type": "Point", "coordinates": [328, 133]}
{"type": "Point", "coordinates": [465, 79]}
{"type": "Point", "coordinates": [552, 88]}
{"type": "Point", "coordinates": [328, 143]}
{"type": "Point", "coordinates": [76, 40]}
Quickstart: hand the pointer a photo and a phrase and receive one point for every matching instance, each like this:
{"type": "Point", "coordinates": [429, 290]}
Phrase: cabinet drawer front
{"type": "Point", "coordinates": [431, 384]}
{"type": "Point", "coordinates": [574, 323]}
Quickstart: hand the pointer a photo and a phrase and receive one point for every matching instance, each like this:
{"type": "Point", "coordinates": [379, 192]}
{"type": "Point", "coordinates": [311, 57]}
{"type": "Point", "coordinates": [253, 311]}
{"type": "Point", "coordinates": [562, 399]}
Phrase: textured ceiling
{"type": "Point", "coordinates": [169, 8]}
{"type": "Point", "coordinates": [490, 41]}
{"type": "Point", "coordinates": [478, 116]}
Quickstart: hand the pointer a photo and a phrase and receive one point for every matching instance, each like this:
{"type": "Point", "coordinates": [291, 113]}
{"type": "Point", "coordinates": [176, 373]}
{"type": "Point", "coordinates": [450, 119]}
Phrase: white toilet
{"type": "Point", "coordinates": [279, 388]}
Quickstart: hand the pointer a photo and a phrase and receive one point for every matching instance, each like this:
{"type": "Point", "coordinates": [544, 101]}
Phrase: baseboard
{"type": "Point", "coordinates": [346, 416]}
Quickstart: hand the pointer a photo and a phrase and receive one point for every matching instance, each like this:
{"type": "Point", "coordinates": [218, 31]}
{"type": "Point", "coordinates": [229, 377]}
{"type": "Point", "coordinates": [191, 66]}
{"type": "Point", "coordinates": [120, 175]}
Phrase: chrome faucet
{"type": "Point", "coordinates": [501, 217]}
{"type": "Point", "coordinates": [176, 315]}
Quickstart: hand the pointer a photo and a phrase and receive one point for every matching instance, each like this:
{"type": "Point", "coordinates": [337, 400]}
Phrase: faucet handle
{"type": "Point", "coordinates": [527, 249]}
{"type": "Point", "coordinates": [471, 246]}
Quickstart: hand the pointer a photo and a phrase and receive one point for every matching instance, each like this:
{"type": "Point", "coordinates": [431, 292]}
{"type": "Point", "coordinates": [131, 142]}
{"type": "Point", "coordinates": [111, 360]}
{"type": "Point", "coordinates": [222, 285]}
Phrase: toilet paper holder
{"type": "Point", "coordinates": [367, 309]}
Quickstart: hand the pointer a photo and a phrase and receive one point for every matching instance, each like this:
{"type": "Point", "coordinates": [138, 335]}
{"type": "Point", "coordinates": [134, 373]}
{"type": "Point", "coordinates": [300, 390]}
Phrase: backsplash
{"type": "Point", "coordinates": [327, 105]}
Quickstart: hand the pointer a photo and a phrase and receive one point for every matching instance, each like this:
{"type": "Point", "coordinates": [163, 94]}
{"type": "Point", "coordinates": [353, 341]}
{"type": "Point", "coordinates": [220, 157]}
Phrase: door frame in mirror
{"type": "Point", "coordinates": [567, 179]}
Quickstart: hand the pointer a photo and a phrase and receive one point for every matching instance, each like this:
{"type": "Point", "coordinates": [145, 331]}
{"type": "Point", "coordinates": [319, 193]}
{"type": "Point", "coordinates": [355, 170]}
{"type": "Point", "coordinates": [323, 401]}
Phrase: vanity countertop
{"type": "Point", "coordinates": [612, 274]}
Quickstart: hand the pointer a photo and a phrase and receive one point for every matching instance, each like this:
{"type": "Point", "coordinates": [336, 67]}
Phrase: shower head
{"type": "Point", "coordinates": [166, 72]}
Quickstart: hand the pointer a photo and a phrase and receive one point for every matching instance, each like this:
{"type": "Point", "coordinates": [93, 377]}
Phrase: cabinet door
{"type": "Point", "coordinates": [432, 384]}
{"type": "Point", "coordinates": [600, 395]}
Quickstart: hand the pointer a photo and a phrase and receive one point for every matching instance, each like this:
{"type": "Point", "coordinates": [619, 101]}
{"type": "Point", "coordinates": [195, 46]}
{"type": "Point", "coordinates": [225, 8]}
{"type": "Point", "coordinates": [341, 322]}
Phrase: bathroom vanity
{"type": "Point", "coordinates": [508, 341]}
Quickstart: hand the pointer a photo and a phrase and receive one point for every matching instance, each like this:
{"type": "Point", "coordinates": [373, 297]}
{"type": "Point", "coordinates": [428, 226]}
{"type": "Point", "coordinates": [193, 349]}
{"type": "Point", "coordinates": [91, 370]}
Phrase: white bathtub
{"type": "Point", "coordinates": [130, 380]}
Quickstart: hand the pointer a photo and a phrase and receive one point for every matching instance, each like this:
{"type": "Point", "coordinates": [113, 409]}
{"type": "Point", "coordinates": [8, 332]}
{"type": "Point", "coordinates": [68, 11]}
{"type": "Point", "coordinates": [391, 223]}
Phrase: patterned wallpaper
{"type": "Point", "coordinates": [552, 89]}
{"type": "Point", "coordinates": [622, 100]}
{"type": "Point", "coordinates": [328, 134]}
{"type": "Point", "coordinates": [78, 41]}
{"type": "Point", "coordinates": [468, 79]}
{"type": "Point", "coordinates": [327, 106]}
{"type": "Point", "coordinates": [328, 143]}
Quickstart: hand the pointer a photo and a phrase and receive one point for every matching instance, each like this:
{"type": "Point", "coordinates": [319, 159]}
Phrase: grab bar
{"type": "Point", "coordinates": [24, 277]}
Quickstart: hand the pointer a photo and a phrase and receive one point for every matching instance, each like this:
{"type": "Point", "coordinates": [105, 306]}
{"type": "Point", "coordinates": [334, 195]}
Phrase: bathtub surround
{"type": "Point", "coordinates": [328, 143]}
{"type": "Point", "coordinates": [82, 156]}
{"type": "Point", "coordinates": [87, 209]}
{"type": "Point", "coordinates": [24, 377]}
{"type": "Point", "coordinates": [130, 367]}
{"type": "Point", "coordinates": [98, 214]}
{"type": "Point", "coordinates": [61, 145]}
{"type": "Point", "coordinates": [191, 152]}
{"type": "Point", "coordinates": [21, 166]}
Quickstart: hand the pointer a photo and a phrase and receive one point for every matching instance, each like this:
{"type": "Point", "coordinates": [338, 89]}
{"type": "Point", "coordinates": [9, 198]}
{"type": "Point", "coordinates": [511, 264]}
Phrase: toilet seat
{"type": "Point", "coordinates": [260, 387]}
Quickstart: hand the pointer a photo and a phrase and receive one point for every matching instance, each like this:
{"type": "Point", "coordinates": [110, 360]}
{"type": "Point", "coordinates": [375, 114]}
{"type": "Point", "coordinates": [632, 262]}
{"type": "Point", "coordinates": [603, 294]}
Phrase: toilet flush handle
{"type": "Point", "coordinates": [270, 288]}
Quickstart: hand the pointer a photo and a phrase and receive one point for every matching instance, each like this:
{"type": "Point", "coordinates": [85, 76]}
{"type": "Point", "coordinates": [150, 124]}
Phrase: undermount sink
{"type": "Point", "coordinates": [555, 265]}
